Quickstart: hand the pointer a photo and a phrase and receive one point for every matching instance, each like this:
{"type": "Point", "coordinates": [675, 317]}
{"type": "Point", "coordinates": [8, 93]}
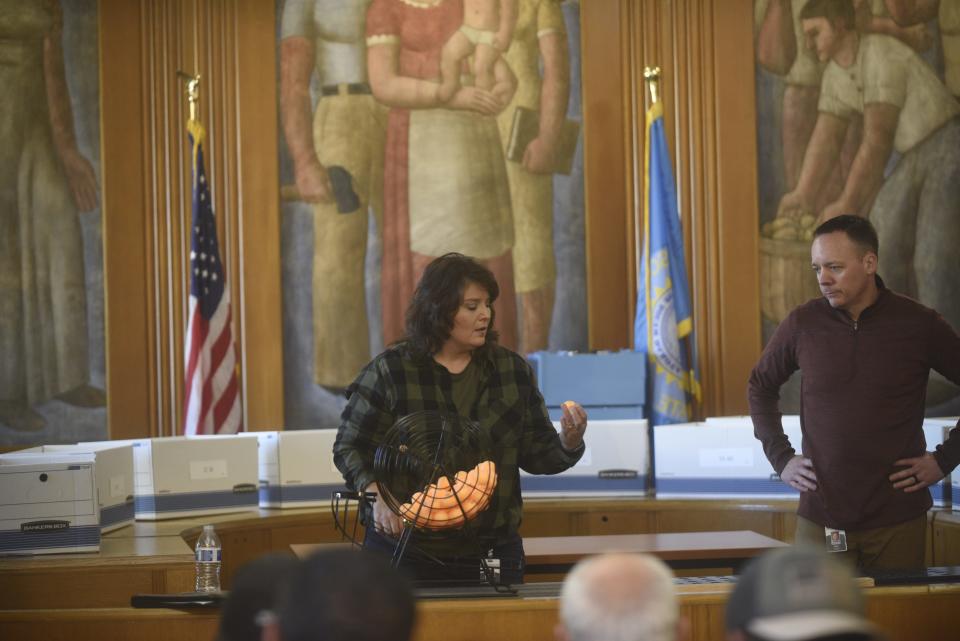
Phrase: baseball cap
{"type": "Point", "coordinates": [797, 594]}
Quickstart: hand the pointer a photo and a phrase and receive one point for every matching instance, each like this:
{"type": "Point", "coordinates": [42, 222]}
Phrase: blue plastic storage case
{"type": "Point", "coordinates": [609, 385]}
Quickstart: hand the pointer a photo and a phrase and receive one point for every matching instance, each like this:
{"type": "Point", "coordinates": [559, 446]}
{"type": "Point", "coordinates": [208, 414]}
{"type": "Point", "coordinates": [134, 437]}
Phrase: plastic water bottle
{"type": "Point", "coordinates": [207, 556]}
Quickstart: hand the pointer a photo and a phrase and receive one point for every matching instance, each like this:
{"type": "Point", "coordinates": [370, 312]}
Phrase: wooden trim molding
{"type": "Point", "coordinates": [705, 51]}
{"type": "Point", "coordinates": [126, 251]}
{"type": "Point", "coordinates": [147, 200]}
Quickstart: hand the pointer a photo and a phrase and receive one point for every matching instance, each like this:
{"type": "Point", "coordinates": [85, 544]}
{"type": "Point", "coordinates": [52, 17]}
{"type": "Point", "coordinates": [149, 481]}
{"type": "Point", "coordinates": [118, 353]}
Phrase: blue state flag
{"type": "Point", "coordinates": [663, 327]}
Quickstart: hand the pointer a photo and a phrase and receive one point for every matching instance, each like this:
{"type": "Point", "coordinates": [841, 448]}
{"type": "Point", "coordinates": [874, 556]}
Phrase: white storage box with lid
{"type": "Point", "coordinates": [179, 476]}
{"type": "Point", "coordinates": [935, 431]}
{"type": "Point", "coordinates": [718, 458]}
{"type": "Point", "coordinates": [296, 468]}
{"type": "Point", "coordinates": [615, 462]}
{"type": "Point", "coordinates": [48, 505]}
{"type": "Point", "coordinates": [113, 471]}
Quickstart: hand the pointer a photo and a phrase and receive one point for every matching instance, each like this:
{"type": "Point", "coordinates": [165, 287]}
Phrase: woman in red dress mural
{"type": "Point", "coordinates": [445, 183]}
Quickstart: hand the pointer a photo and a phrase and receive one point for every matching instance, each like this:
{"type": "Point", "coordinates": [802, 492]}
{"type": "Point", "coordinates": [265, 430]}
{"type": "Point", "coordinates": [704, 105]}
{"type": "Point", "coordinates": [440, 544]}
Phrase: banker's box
{"type": "Point", "coordinates": [48, 505]}
{"type": "Point", "coordinates": [609, 385]}
{"type": "Point", "coordinates": [113, 475]}
{"type": "Point", "coordinates": [179, 476]}
{"type": "Point", "coordinates": [615, 462]}
{"type": "Point", "coordinates": [718, 458]}
{"type": "Point", "coordinates": [935, 431]}
{"type": "Point", "coordinates": [296, 468]}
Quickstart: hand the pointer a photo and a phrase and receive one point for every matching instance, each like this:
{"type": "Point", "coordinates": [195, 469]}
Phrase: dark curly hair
{"type": "Point", "coordinates": [438, 297]}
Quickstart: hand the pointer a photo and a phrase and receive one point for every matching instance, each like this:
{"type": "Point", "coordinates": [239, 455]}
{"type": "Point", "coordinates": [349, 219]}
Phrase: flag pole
{"type": "Point", "coordinates": [652, 76]}
{"type": "Point", "coordinates": [193, 91]}
{"type": "Point", "coordinates": [212, 400]}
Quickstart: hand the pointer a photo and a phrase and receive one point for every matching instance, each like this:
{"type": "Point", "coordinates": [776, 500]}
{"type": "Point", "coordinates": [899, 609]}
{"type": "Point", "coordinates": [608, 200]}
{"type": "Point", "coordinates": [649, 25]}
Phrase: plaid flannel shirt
{"type": "Point", "coordinates": [509, 408]}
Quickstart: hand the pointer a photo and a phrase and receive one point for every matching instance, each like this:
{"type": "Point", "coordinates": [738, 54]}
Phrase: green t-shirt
{"type": "Point", "coordinates": [466, 388]}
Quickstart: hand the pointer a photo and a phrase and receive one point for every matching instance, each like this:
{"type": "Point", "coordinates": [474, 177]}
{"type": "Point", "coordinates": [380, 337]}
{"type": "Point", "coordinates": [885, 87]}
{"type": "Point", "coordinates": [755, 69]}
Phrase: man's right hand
{"type": "Point", "coordinates": [798, 474]}
{"type": "Point", "coordinates": [384, 520]}
{"type": "Point", "coordinates": [313, 183]}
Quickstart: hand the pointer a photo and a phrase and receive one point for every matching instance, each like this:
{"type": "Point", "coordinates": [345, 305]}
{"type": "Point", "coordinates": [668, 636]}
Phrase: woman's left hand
{"type": "Point", "coordinates": [573, 424]}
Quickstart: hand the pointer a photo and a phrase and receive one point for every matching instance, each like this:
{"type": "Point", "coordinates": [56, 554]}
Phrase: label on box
{"type": "Point", "coordinates": [216, 469]}
{"type": "Point", "coordinates": [50, 525]}
{"type": "Point", "coordinates": [117, 486]}
{"type": "Point", "coordinates": [726, 457]}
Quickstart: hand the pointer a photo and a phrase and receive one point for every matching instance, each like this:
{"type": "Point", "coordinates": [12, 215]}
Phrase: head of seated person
{"type": "Point", "coordinates": [253, 595]}
{"type": "Point", "coordinates": [797, 594]}
{"type": "Point", "coordinates": [343, 595]}
{"type": "Point", "coordinates": [620, 597]}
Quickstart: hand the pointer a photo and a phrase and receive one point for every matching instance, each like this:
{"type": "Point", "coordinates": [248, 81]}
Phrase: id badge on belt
{"type": "Point", "coordinates": [836, 539]}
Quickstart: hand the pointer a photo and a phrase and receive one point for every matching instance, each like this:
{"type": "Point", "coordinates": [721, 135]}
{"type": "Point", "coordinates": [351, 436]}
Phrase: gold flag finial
{"type": "Point", "coordinates": [652, 76]}
{"type": "Point", "coordinates": [193, 91]}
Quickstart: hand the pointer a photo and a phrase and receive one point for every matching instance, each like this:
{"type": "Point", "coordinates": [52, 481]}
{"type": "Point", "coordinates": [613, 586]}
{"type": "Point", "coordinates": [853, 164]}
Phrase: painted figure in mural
{"type": "Point", "coordinates": [44, 181]}
{"type": "Point", "coordinates": [905, 107]}
{"type": "Point", "coordinates": [486, 32]}
{"type": "Point", "coordinates": [445, 184]}
{"type": "Point", "coordinates": [326, 37]}
{"type": "Point", "coordinates": [781, 50]}
{"type": "Point", "coordinates": [540, 38]}
{"type": "Point", "coordinates": [948, 19]}
{"type": "Point", "coordinates": [907, 13]}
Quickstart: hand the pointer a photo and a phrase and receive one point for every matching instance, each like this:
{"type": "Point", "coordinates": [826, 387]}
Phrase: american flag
{"type": "Point", "coordinates": [212, 396]}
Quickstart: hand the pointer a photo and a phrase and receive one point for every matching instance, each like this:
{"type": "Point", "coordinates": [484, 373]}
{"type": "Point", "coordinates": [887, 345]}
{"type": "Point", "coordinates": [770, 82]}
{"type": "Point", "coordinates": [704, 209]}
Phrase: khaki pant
{"type": "Point", "coordinates": [900, 546]}
{"type": "Point", "coordinates": [348, 130]}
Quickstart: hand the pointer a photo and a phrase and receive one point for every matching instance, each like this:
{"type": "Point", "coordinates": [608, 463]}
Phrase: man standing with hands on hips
{"type": "Point", "coordinates": [865, 354]}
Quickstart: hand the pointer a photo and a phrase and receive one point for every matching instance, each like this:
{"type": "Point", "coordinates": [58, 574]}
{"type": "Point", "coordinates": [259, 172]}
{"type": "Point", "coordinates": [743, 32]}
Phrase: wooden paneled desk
{"type": "Point", "coordinates": [123, 567]}
{"type": "Point", "coordinates": [715, 552]}
{"type": "Point", "coordinates": [550, 558]}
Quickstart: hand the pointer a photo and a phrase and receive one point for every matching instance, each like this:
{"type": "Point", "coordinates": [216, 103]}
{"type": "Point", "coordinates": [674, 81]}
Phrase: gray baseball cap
{"type": "Point", "coordinates": [798, 594]}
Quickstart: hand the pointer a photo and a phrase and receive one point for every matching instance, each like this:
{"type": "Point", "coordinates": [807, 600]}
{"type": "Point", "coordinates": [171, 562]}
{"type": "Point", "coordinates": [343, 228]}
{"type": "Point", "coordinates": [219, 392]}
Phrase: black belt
{"type": "Point", "coordinates": [345, 89]}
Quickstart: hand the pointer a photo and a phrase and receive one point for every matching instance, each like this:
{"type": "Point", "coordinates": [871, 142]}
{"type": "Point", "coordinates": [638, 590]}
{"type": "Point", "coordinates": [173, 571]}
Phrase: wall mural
{"type": "Point", "coordinates": [872, 129]}
{"type": "Point", "coordinates": [411, 128]}
{"type": "Point", "coordinates": [52, 367]}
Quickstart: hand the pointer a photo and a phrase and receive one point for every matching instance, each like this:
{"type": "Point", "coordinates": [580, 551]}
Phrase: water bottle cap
{"type": "Point", "coordinates": [208, 528]}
